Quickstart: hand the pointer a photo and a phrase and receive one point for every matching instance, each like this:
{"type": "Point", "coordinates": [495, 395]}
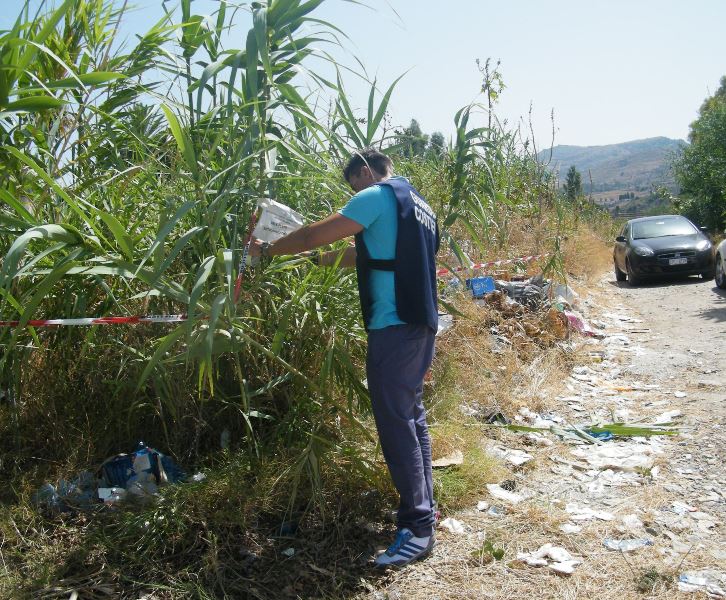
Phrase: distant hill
{"type": "Point", "coordinates": [636, 165]}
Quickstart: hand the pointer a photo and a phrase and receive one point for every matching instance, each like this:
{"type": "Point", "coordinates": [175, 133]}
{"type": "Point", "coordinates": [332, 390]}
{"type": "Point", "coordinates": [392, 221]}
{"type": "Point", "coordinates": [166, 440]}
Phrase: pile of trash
{"type": "Point", "coordinates": [533, 309]}
{"type": "Point", "coordinates": [137, 475]}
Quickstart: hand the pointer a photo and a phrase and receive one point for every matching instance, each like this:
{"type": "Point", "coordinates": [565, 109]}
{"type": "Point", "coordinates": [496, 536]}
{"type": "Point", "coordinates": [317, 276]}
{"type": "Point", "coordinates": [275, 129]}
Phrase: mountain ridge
{"type": "Point", "coordinates": [637, 165]}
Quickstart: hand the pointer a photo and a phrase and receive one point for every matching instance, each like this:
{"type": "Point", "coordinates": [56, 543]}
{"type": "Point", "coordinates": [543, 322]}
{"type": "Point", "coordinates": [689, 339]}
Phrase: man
{"type": "Point", "coordinates": [396, 239]}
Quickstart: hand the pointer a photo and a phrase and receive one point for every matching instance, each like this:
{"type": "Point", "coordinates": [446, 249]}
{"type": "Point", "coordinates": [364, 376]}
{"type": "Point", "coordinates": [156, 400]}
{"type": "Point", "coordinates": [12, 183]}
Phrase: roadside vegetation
{"type": "Point", "coordinates": [128, 177]}
{"type": "Point", "coordinates": [701, 167]}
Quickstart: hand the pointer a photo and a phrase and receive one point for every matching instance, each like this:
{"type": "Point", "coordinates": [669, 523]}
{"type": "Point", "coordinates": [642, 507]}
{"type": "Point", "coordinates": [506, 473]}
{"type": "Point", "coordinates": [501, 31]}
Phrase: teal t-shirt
{"type": "Point", "coordinates": [375, 208]}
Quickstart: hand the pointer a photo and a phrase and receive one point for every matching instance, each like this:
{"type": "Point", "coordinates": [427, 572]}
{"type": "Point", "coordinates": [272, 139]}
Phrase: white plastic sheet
{"type": "Point", "coordinates": [276, 221]}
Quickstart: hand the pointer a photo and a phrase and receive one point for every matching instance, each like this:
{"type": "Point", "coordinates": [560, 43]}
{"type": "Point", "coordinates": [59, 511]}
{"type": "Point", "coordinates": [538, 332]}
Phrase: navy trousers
{"type": "Point", "coordinates": [398, 358]}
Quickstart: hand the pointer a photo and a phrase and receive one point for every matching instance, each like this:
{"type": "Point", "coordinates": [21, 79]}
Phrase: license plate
{"type": "Point", "coordinates": [678, 261]}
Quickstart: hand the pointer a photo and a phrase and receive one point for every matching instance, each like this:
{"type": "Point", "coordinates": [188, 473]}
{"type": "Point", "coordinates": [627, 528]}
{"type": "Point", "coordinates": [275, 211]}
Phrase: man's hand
{"type": "Point", "coordinates": [255, 249]}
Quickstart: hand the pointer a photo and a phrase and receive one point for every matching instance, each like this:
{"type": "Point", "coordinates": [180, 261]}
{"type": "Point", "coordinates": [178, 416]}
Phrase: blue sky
{"type": "Point", "coordinates": [611, 71]}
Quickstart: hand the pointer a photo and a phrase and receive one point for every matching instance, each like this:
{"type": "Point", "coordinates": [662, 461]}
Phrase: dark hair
{"type": "Point", "coordinates": [368, 157]}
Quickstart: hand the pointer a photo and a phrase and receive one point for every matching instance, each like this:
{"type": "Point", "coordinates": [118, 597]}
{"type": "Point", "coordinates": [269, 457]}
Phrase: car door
{"type": "Point", "coordinates": [620, 247]}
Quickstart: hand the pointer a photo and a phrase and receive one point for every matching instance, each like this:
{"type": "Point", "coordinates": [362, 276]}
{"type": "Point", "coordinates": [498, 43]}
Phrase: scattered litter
{"type": "Point", "coordinates": [626, 545]}
{"type": "Point", "coordinates": [583, 513]}
{"type": "Point", "coordinates": [570, 528]}
{"type": "Point", "coordinates": [681, 508]}
{"type": "Point", "coordinates": [562, 293]}
{"type": "Point", "coordinates": [711, 582]}
{"type": "Point", "coordinates": [602, 435]}
{"type": "Point", "coordinates": [555, 557]}
{"type": "Point", "coordinates": [621, 456]}
{"type": "Point", "coordinates": [500, 493]}
{"type": "Point", "coordinates": [111, 495]}
{"type": "Point", "coordinates": [578, 323]}
{"type": "Point", "coordinates": [514, 457]}
{"type": "Point", "coordinates": [482, 505]}
{"type": "Point", "coordinates": [138, 474]}
{"type": "Point", "coordinates": [453, 525]}
{"type": "Point", "coordinates": [288, 552]}
{"type": "Point", "coordinates": [496, 512]}
{"type": "Point", "coordinates": [446, 322]}
{"type": "Point", "coordinates": [539, 439]}
{"type": "Point", "coordinates": [197, 477]}
{"type": "Point", "coordinates": [632, 522]}
{"type": "Point", "coordinates": [480, 286]}
{"type": "Point", "coordinates": [667, 417]}
{"type": "Point", "coordinates": [680, 394]}
{"type": "Point", "coordinates": [623, 318]}
{"type": "Point", "coordinates": [566, 567]}
{"type": "Point", "coordinates": [496, 417]}
{"type": "Point", "coordinates": [528, 293]}
{"type": "Point", "coordinates": [455, 458]}
{"type": "Point", "coordinates": [692, 351]}
{"type": "Point", "coordinates": [620, 430]}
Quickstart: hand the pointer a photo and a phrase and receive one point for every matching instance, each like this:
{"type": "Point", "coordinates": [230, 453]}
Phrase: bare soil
{"type": "Point", "coordinates": [663, 354]}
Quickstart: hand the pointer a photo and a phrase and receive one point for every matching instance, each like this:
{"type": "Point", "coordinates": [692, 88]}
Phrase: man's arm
{"type": "Point", "coordinates": [328, 259]}
{"type": "Point", "coordinates": [329, 230]}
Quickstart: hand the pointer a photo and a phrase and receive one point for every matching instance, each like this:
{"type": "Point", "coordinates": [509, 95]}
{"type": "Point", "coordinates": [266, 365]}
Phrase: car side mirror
{"type": "Point", "coordinates": [620, 238]}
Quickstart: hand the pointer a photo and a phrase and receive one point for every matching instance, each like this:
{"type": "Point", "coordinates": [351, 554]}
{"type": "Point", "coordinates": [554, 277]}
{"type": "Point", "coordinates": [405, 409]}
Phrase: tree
{"type": "Point", "coordinates": [573, 183]}
{"type": "Point", "coordinates": [413, 140]}
{"type": "Point", "coordinates": [700, 169]}
{"type": "Point", "coordinates": [437, 143]}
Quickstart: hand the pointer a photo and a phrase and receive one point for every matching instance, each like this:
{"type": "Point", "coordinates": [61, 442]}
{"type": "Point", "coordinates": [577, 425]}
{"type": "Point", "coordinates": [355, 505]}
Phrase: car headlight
{"type": "Point", "coordinates": [703, 245]}
{"type": "Point", "coordinates": [643, 251]}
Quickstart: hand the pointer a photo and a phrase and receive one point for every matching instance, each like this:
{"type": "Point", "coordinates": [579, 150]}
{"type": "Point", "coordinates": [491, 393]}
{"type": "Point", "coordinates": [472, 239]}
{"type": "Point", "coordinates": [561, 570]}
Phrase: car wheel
{"type": "Point", "coordinates": [720, 275]}
{"type": "Point", "coordinates": [633, 279]}
{"type": "Point", "coordinates": [619, 275]}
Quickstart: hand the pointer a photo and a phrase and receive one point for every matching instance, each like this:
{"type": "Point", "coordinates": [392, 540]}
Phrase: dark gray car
{"type": "Point", "coordinates": [663, 245]}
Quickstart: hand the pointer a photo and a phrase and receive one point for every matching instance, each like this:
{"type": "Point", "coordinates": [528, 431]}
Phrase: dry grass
{"type": "Point", "coordinates": [587, 256]}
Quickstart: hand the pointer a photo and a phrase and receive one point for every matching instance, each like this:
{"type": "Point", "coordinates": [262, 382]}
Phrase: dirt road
{"type": "Point", "coordinates": [661, 358]}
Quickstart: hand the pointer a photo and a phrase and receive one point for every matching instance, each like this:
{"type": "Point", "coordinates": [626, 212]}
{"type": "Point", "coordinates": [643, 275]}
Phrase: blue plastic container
{"type": "Point", "coordinates": [480, 286]}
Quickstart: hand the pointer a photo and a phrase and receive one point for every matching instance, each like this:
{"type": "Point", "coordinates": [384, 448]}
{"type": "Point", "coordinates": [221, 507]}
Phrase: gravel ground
{"type": "Point", "coordinates": [661, 359]}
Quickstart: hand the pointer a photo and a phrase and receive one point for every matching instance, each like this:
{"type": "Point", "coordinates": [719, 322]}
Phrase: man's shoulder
{"type": "Point", "coordinates": [374, 197]}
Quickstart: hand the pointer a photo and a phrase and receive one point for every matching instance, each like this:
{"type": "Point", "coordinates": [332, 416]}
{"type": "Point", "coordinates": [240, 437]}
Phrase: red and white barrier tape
{"type": "Point", "coordinates": [179, 318]}
{"type": "Point", "coordinates": [243, 262]}
{"type": "Point", "coordinates": [99, 321]}
{"type": "Point", "coordinates": [493, 263]}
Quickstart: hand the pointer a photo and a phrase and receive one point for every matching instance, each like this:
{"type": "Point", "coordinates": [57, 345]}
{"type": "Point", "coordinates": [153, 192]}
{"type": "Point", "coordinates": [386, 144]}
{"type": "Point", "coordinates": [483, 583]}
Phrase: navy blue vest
{"type": "Point", "coordinates": [414, 267]}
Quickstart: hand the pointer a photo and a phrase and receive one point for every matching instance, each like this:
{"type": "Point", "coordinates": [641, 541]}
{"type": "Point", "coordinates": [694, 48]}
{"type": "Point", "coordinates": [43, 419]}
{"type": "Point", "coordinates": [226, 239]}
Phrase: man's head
{"type": "Point", "coordinates": [367, 167]}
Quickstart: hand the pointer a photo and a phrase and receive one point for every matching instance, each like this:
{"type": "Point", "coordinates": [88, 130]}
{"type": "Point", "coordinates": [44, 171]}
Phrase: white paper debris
{"type": "Point", "coordinates": [482, 505]}
{"type": "Point", "coordinates": [499, 492]}
{"type": "Point", "coordinates": [711, 582]}
{"type": "Point", "coordinates": [584, 513]}
{"type": "Point", "coordinates": [514, 457]}
{"type": "Point", "coordinates": [626, 545]}
{"type": "Point", "coordinates": [570, 528]}
{"type": "Point", "coordinates": [623, 456]}
{"type": "Point", "coordinates": [632, 522]}
{"type": "Point", "coordinates": [555, 557]}
{"type": "Point", "coordinates": [539, 439]}
{"type": "Point", "coordinates": [453, 525]}
{"type": "Point", "coordinates": [666, 417]}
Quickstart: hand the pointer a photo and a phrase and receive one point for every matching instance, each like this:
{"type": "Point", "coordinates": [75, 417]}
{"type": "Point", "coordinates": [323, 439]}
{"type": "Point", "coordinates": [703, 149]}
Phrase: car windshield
{"type": "Point", "coordinates": [661, 228]}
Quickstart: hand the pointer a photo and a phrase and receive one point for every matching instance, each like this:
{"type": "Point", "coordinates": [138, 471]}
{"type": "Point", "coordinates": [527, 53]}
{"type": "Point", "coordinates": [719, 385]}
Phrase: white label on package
{"type": "Point", "coordinates": [276, 221]}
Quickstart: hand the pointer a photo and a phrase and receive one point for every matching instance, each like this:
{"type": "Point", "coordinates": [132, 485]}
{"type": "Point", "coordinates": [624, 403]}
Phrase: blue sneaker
{"type": "Point", "coordinates": [405, 549]}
